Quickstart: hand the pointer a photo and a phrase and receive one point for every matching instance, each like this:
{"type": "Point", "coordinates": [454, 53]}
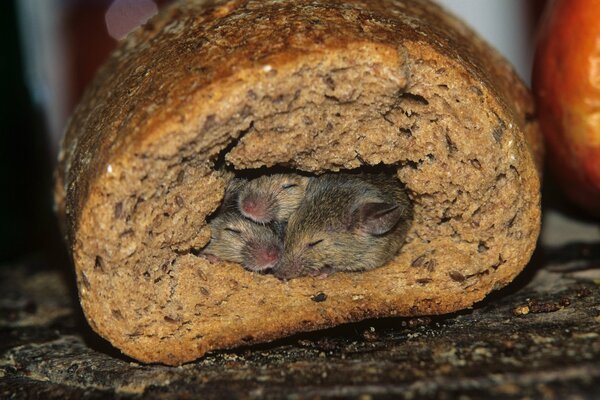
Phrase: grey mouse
{"type": "Point", "coordinates": [272, 197]}
{"type": "Point", "coordinates": [257, 247]}
{"type": "Point", "coordinates": [345, 222]}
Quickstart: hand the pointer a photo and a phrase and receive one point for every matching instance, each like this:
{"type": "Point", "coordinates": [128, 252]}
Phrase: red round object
{"type": "Point", "coordinates": [566, 85]}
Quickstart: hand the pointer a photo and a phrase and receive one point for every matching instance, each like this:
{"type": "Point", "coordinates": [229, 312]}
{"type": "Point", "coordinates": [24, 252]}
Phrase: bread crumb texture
{"type": "Point", "coordinates": [209, 87]}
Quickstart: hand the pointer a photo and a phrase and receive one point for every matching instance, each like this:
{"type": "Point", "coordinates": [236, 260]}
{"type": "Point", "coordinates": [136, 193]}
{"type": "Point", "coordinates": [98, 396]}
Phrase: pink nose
{"type": "Point", "coordinates": [268, 257]}
{"type": "Point", "coordinates": [249, 205]}
{"type": "Point", "coordinates": [255, 208]}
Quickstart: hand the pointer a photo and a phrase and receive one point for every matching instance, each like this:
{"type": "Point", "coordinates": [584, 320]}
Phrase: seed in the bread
{"type": "Point", "coordinates": [423, 281]}
{"type": "Point", "coordinates": [511, 222]}
{"type": "Point", "coordinates": [450, 145]}
{"type": "Point", "coordinates": [204, 291]}
{"type": "Point", "coordinates": [476, 90]}
{"type": "Point", "coordinates": [180, 176]}
{"type": "Point", "coordinates": [179, 201]}
{"type": "Point", "coordinates": [498, 131]}
{"type": "Point", "coordinates": [246, 111]}
{"type": "Point", "coordinates": [329, 82]}
{"type": "Point", "coordinates": [117, 314]}
{"type": "Point", "coordinates": [85, 280]}
{"type": "Point", "coordinates": [457, 276]}
{"type": "Point", "coordinates": [127, 232]}
{"type": "Point", "coordinates": [423, 262]}
{"type": "Point", "coordinates": [170, 319]}
{"type": "Point", "coordinates": [475, 163]}
{"type": "Point", "coordinates": [202, 275]}
{"type": "Point", "coordinates": [118, 210]}
{"type": "Point", "coordinates": [99, 264]}
{"type": "Point", "coordinates": [252, 94]}
{"type": "Point", "coordinates": [209, 123]}
{"type": "Point", "coordinates": [476, 218]}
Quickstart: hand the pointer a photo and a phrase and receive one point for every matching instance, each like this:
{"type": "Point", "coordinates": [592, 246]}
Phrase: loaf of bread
{"type": "Point", "coordinates": [208, 88]}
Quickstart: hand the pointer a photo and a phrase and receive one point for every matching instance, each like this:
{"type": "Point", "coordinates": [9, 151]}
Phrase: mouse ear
{"type": "Point", "coordinates": [378, 218]}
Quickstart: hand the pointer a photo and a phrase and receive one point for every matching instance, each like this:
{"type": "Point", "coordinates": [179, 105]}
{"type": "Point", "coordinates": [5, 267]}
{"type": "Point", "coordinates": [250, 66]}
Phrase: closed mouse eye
{"type": "Point", "coordinates": [288, 185]}
{"type": "Point", "coordinates": [233, 230]}
{"type": "Point", "coordinates": [313, 244]}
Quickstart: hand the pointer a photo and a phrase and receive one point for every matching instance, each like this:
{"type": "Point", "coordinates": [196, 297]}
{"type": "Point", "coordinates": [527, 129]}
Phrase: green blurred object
{"type": "Point", "coordinates": [25, 176]}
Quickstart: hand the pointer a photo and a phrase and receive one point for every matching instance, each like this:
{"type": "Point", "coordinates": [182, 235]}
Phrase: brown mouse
{"type": "Point", "coordinates": [257, 247]}
{"type": "Point", "coordinates": [235, 238]}
{"type": "Point", "coordinates": [346, 222]}
{"type": "Point", "coordinates": [272, 197]}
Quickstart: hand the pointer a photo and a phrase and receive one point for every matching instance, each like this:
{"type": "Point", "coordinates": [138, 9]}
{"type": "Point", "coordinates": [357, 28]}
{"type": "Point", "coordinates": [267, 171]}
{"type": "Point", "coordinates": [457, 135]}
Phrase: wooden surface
{"type": "Point", "coordinates": [538, 338]}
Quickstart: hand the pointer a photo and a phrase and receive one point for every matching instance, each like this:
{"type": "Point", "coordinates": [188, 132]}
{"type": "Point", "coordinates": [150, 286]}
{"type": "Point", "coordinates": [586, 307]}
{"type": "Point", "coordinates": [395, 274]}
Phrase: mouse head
{"type": "Point", "coordinates": [235, 238]}
{"type": "Point", "coordinates": [272, 198]}
{"type": "Point", "coordinates": [356, 236]}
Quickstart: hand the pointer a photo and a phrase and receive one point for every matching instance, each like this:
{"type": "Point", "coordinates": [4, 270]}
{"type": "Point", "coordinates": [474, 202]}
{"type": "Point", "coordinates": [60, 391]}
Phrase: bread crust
{"type": "Point", "coordinates": [207, 87]}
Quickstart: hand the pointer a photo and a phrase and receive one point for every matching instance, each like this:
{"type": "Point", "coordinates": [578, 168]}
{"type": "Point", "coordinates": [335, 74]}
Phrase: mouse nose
{"type": "Point", "coordinates": [268, 257]}
{"type": "Point", "coordinates": [290, 268]}
{"type": "Point", "coordinates": [254, 208]}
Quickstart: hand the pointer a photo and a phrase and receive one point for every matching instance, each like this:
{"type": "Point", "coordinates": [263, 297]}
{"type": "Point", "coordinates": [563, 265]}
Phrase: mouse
{"type": "Point", "coordinates": [258, 247]}
{"type": "Point", "coordinates": [234, 238]}
{"type": "Point", "coordinates": [272, 197]}
{"type": "Point", "coordinates": [345, 222]}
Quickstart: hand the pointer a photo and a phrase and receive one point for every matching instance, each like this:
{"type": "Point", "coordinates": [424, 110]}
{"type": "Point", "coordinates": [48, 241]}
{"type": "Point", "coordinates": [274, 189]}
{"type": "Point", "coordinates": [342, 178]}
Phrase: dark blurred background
{"type": "Point", "coordinates": [50, 51]}
{"type": "Point", "coordinates": [24, 163]}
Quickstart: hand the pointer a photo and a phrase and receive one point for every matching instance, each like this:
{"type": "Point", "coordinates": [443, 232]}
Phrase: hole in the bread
{"type": "Point", "coordinates": [406, 131]}
{"type": "Point", "coordinates": [117, 314]}
{"type": "Point", "coordinates": [239, 239]}
{"type": "Point", "coordinates": [415, 98]}
{"type": "Point", "coordinates": [218, 160]}
{"type": "Point", "coordinates": [99, 264]}
{"type": "Point", "coordinates": [500, 261]}
{"type": "Point", "coordinates": [450, 145]}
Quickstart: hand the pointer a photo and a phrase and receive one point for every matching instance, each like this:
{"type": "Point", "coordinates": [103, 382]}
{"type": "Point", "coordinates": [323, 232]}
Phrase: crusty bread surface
{"type": "Point", "coordinates": [209, 89]}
